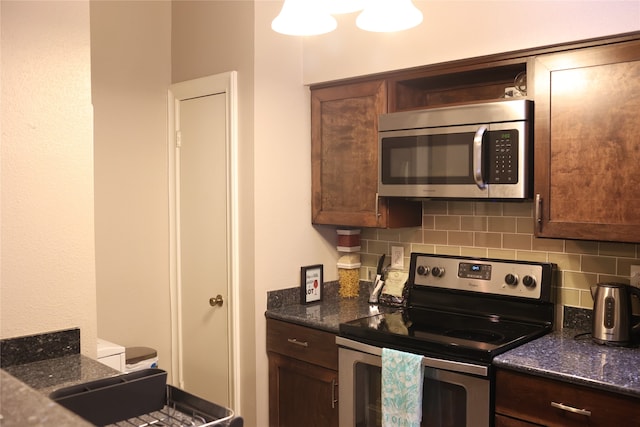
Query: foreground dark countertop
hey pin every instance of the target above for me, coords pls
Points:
(53, 374)
(557, 355)
(25, 389)
(23, 406)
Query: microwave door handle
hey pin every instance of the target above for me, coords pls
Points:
(477, 157)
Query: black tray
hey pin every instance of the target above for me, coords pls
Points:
(109, 400)
(141, 395)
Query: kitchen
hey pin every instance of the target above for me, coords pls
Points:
(155, 45)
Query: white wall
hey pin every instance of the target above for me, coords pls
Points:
(131, 67)
(457, 29)
(285, 240)
(48, 267)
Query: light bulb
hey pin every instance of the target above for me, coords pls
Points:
(303, 18)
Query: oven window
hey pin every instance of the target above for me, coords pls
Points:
(443, 404)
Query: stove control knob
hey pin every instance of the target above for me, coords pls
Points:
(529, 281)
(511, 279)
(422, 270)
(437, 271)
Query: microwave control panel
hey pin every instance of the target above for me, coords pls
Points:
(502, 162)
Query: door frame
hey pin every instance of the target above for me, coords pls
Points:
(224, 83)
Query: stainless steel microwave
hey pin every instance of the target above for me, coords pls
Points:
(475, 151)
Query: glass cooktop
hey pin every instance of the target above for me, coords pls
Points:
(435, 333)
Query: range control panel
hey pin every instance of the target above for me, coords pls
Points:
(490, 276)
(474, 270)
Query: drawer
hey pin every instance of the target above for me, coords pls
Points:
(552, 403)
(302, 343)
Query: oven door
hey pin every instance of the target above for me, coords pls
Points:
(450, 399)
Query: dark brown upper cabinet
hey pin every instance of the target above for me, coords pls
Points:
(344, 159)
(587, 143)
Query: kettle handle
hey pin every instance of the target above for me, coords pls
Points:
(636, 291)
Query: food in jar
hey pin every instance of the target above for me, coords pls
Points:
(349, 280)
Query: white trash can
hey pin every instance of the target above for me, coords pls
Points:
(111, 354)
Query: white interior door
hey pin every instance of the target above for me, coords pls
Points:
(203, 247)
(204, 212)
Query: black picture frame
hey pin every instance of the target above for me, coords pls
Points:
(311, 284)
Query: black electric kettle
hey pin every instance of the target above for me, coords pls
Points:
(612, 313)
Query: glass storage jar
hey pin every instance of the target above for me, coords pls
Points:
(349, 275)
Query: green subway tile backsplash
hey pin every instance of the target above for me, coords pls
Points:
(502, 224)
(504, 230)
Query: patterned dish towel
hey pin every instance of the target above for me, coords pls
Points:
(402, 378)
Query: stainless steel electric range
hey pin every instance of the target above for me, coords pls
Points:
(461, 313)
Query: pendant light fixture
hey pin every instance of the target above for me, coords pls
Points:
(385, 16)
(313, 17)
(304, 18)
(338, 7)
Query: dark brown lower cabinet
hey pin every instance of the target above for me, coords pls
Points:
(303, 376)
(504, 421)
(524, 400)
(301, 394)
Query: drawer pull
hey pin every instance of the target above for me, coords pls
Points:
(296, 342)
(571, 409)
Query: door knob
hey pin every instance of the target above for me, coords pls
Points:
(216, 301)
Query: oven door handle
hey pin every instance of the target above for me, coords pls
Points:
(427, 361)
(477, 157)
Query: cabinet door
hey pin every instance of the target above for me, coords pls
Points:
(344, 159)
(587, 151)
(301, 394)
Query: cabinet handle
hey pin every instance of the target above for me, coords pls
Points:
(571, 409)
(334, 399)
(539, 211)
(296, 342)
(377, 205)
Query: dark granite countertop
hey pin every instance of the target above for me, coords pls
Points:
(49, 375)
(25, 390)
(34, 366)
(557, 355)
(23, 406)
(325, 315)
(562, 356)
